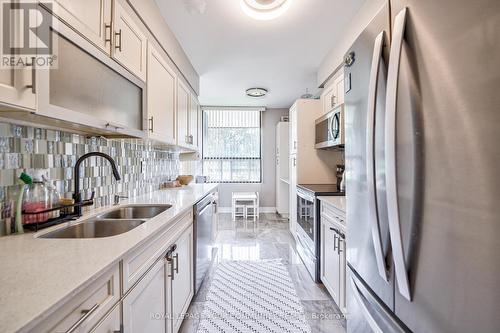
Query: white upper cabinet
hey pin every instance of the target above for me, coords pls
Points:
(187, 117)
(183, 101)
(92, 18)
(16, 85)
(194, 107)
(161, 91)
(16, 89)
(333, 94)
(129, 41)
(339, 88)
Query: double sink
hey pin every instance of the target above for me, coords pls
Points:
(111, 223)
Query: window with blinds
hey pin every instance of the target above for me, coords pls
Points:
(232, 146)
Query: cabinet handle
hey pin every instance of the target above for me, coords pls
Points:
(106, 28)
(294, 161)
(169, 259)
(335, 237)
(117, 128)
(86, 314)
(339, 248)
(33, 76)
(151, 124)
(119, 35)
(176, 259)
(295, 145)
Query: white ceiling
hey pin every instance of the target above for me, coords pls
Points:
(232, 52)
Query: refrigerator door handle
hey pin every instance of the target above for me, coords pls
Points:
(370, 156)
(364, 308)
(379, 317)
(390, 155)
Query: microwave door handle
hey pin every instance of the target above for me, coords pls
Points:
(370, 156)
(331, 126)
(390, 155)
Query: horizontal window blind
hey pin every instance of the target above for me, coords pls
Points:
(232, 146)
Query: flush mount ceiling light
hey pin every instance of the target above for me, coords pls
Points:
(256, 92)
(265, 9)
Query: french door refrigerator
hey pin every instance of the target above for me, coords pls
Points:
(423, 169)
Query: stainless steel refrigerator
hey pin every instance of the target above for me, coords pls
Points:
(423, 169)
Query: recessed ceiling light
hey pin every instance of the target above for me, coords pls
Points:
(265, 9)
(256, 92)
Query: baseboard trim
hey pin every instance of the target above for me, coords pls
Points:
(266, 210)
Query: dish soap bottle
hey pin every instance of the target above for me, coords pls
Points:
(24, 180)
(54, 197)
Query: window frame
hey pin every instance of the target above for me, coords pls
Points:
(203, 140)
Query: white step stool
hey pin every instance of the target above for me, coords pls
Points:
(245, 204)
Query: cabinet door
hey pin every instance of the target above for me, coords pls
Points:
(293, 130)
(293, 193)
(328, 100)
(193, 121)
(330, 260)
(182, 277)
(183, 101)
(144, 307)
(339, 90)
(15, 84)
(129, 41)
(91, 18)
(111, 324)
(161, 98)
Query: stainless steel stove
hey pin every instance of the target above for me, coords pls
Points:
(308, 213)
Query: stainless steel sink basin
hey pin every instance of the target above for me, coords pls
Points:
(95, 228)
(135, 212)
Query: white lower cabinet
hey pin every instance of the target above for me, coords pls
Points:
(144, 308)
(333, 258)
(111, 323)
(154, 294)
(181, 278)
(85, 309)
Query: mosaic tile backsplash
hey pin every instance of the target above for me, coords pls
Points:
(22, 148)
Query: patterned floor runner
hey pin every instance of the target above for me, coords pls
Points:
(252, 297)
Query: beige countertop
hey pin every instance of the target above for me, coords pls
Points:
(337, 201)
(38, 274)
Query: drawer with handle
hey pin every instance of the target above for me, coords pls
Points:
(85, 309)
(333, 214)
(138, 261)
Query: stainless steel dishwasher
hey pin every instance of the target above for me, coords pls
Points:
(204, 212)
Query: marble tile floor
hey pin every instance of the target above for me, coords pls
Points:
(272, 240)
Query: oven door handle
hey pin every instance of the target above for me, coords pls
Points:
(305, 247)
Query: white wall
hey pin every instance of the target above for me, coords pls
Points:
(336, 55)
(266, 189)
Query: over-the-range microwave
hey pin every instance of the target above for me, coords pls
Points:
(330, 132)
